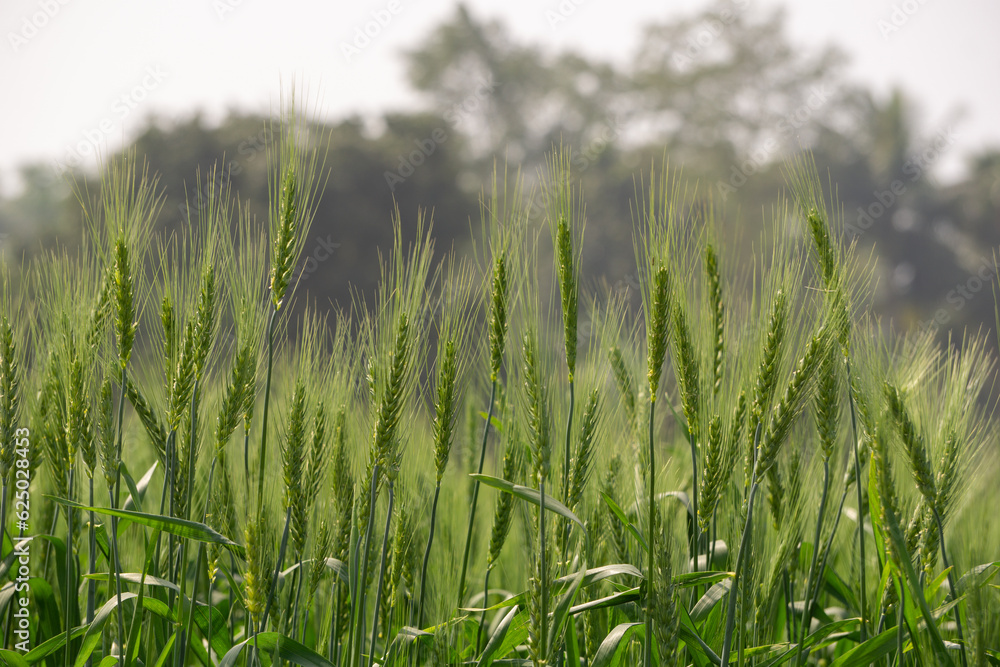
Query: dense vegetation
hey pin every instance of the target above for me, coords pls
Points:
(473, 469)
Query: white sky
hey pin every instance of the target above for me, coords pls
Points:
(65, 65)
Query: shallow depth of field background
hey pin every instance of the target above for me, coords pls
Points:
(894, 99)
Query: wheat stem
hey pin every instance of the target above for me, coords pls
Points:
(650, 557)
(475, 495)
(696, 537)
(114, 520)
(814, 574)
(262, 463)
(542, 572)
(333, 651)
(740, 557)
(952, 587)
(359, 605)
(567, 460)
(861, 524)
(427, 557)
(92, 556)
(68, 599)
(381, 575)
(277, 568)
(482, 617)
(181, 653)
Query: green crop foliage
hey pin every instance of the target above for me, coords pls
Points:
(620, 445)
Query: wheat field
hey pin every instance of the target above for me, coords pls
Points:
(497, 460)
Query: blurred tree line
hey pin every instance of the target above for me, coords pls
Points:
(723, 94)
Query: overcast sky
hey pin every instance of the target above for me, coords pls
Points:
(75, 73)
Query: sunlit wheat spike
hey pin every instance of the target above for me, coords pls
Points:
(767, 373)
(736, 426)
(99, 315)
(124, 299)
(564, 216)
(790, 405)
(498, 315)
(50, 413)
(688, 374)
(293, 467)
(183, 378)
(947, 474)
(503, 514)
(391, 403)
(657, 322)
(804, 182)
(911, 535)
(823, 245)
(883, 472)
(156, 431)
(567, 290)
(665, 617)
(10, 389)
(322, 549)
(775, 494)
(913, 443)
(536, 392)
(212, 555)
(715, 473)
(296, 166)
(827, 400)
(718, 316)
(187, 448)
(583, 457)
(205, 319)
(283, 255)
(234, 396)
(168, 321)
(363, 493)
(317, 455)
(343, 487)
(624, 382)
(794, 471)
(927, 544)
(79, 431)
(106, 434)
(259, 540)
(402, 541)
(445, 408)
(248, 377)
